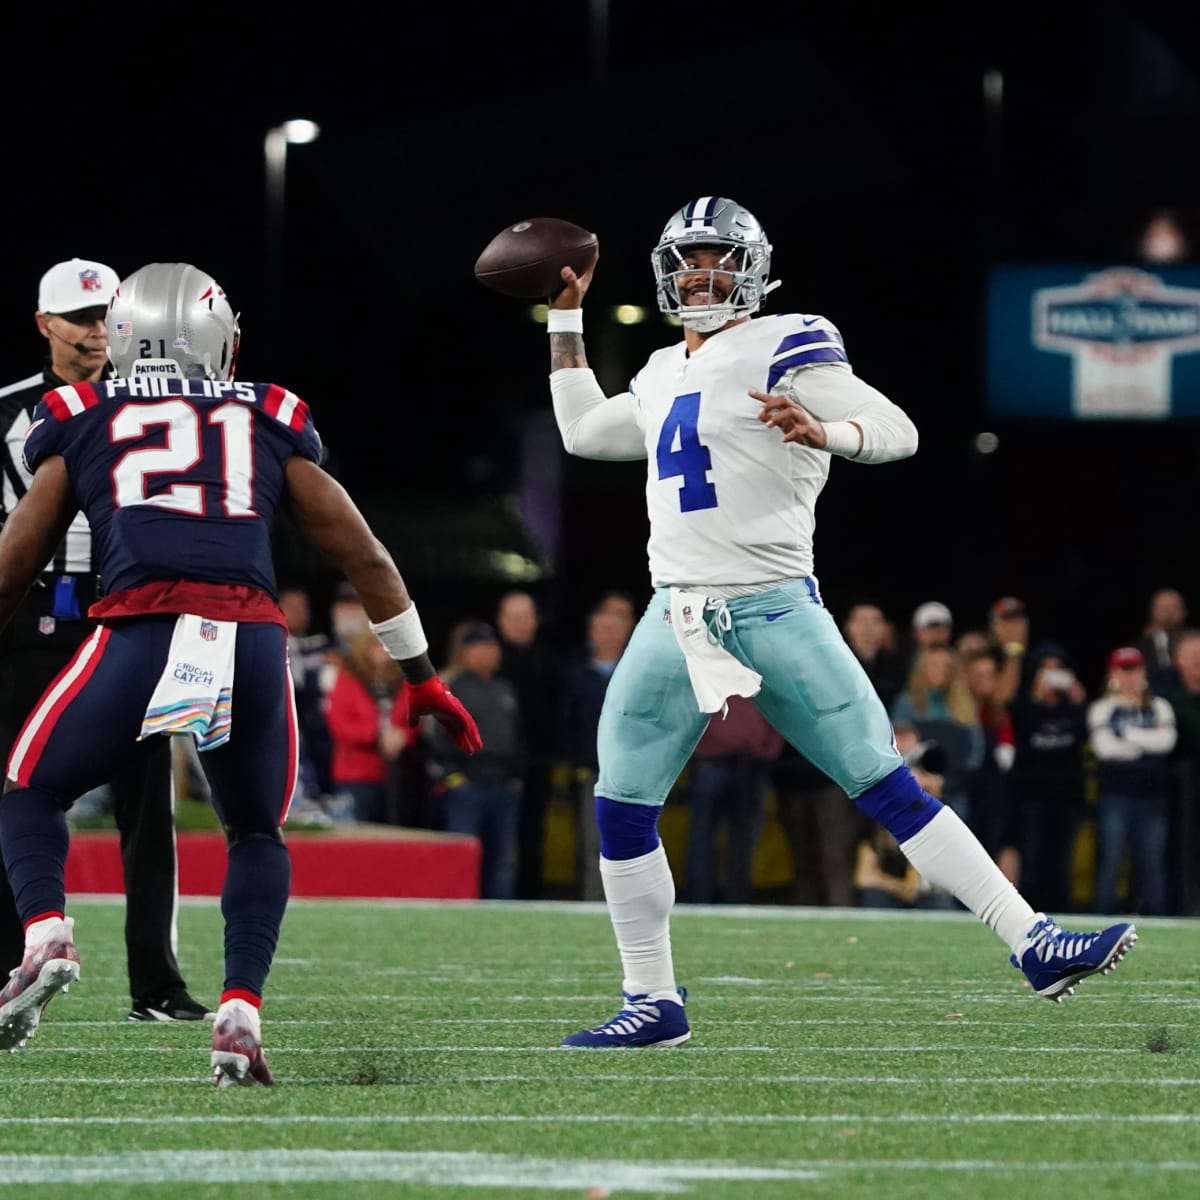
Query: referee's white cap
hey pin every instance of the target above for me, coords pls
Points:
(75, 284)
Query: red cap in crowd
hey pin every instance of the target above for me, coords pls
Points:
(1125, 658)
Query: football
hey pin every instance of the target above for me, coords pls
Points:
(525, 259)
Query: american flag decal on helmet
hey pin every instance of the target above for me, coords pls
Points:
(124, 328)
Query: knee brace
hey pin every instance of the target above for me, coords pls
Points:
(626, 830)
(899, 804)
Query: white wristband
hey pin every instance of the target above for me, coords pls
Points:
(564, 320)
(844, 438)
(402, 635)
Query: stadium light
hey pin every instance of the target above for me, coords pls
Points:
(297, 132)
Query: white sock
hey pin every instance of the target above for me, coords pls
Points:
(949, 855)
(640, 894)
(48, 927)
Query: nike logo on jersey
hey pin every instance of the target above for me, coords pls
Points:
(810, 320)
(776, 616)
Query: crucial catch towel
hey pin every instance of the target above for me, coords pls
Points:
(715, 673)
(195, 692)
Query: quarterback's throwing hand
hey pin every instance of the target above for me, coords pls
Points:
(434, 699)
(796, 422)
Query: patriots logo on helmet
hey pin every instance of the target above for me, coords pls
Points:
(89, 280)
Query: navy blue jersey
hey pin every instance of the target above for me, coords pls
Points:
(179, 479)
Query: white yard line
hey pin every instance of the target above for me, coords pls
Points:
(482, 1170)
(557, 1079)
(1030, 1118)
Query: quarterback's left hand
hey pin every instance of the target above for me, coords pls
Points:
(433, 698)
(795, 421)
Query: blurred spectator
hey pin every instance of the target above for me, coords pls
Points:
(822, 825)
(588, 672)
(347, 617)
(1166, 617)
(883, 877)
(992, 817)
(1049, 718)
(535, 668)
(868, 634)
(620, 602)
(307, 654)
(1185, 834)
(932, 625)
(482, 791)
(971, 643)
(1008, 634)
(727, 789)
(1133, 733)
(367, 728)
(937, 701)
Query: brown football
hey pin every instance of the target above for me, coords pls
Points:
(525, 259)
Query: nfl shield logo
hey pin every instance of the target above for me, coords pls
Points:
(687, 614)
(89, 280)
(208, 631)
(46, 625)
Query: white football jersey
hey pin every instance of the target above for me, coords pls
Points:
(730, 503)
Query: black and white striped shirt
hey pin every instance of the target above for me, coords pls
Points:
(17, 402)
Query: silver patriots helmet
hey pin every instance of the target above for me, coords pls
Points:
(172, 313)
(713, 221)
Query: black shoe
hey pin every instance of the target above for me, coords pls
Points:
(176, 1006)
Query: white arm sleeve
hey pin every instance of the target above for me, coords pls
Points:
(593, 425)
(834, 394)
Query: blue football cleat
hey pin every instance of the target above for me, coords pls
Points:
(642, 1022)
(1055, 960)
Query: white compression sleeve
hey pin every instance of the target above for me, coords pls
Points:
(593, 425)
(640, 894)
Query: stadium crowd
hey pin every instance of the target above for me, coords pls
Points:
(1088, 801)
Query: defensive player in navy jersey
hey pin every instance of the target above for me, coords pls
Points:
(738, 423)
(180, 472)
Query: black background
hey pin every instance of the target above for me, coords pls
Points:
(859, 136)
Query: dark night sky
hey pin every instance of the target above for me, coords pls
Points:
(857, 136)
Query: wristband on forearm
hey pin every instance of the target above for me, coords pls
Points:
(402, 635)
(564, 320)
(844, 438)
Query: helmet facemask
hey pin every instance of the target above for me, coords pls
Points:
(736, 284)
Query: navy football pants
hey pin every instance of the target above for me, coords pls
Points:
(85, 729)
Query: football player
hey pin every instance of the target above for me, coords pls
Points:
(738, 423)
(180, 470)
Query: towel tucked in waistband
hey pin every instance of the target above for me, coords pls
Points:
(715, 673)
(195, 692)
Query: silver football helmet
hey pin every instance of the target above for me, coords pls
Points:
(172, 313)
(713, 221)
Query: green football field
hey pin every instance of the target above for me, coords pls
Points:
(415, 1047)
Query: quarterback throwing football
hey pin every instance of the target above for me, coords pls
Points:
(738, 424)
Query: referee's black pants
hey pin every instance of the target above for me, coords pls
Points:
(143, 808)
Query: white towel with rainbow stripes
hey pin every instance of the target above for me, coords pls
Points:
(195, 692)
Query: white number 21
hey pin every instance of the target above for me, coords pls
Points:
(181, 453)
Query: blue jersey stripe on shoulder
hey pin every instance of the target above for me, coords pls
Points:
(808, 338)
(804, 358)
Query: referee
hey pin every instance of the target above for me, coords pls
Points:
(42, 639)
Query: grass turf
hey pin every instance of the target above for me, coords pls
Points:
(834, 1054)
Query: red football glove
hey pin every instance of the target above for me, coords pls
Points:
(433, 698)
